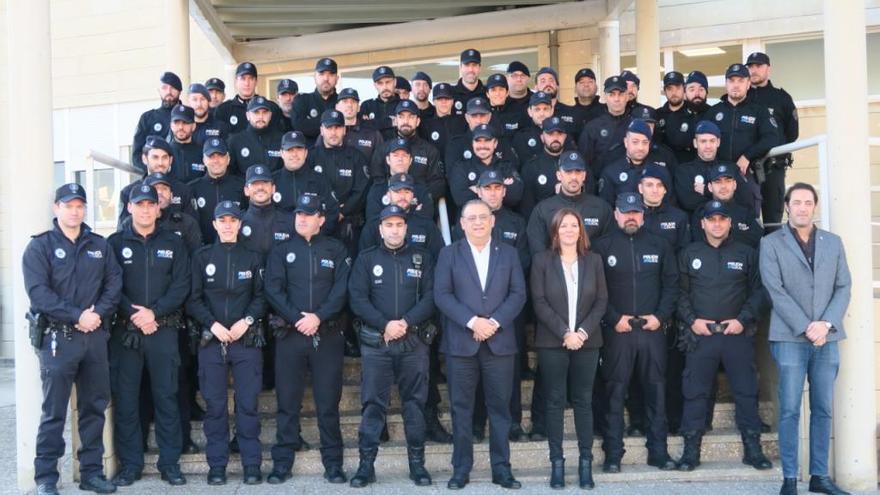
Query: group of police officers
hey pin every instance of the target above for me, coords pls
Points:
(273, 238)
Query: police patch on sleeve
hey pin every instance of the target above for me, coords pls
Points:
(377, 270)
(468, 154)
(623, 176)
(472, 176)
(319, 169)
(291, 257)
(719, 116)
(245, 152)
(458, 105)
(612, 260)
(157, 127)
(603, 133)
(233, 120)
(210, 269)
(532, 142)
(246, 231)
(542, 179)
(60, 254)
(696, 264)
(684, 127)
(201, 202)
(126, 253)
(276, 197)
(435, 136)
(313, 112)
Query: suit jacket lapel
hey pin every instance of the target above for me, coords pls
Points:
(792, 243)
(493, 261)
(469, 261)
(556, 261)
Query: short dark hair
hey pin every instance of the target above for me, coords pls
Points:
(801, 186)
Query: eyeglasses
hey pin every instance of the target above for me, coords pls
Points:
(473, 218)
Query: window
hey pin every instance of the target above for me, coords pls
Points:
(710, 60)
(799, 67)
(59, 174)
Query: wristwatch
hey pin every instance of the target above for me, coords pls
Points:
(249, 320)
(831, 328)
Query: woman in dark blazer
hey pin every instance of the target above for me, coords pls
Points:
(569, 297)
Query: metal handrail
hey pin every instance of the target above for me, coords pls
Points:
(113, 162)
(821, 142)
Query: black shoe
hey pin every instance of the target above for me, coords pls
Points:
(479, 433)
(505, 479)
(233, 445)
(351, 349)
(458, 481)
(663, 463)
(252, 475)
(47, 489)
(611, 467)
(434, 430)
(173, 476)
(217, 476)
(97, 484)
(303, 445)
(537, 436)
(823, 484)
(789, 486)
(189, 447)
(557, 474)
(384, 437)
(585, 473)
(126, 476)
(516, 433)
(278, 476)
(635, 431)
(335, 475)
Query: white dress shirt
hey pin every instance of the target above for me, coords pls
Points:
(481, 259)
(571, 288)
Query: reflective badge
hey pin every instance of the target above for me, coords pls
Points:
(413, 273)
(372, 115)
(699, 179)
(319, 169)
(291, 257)
(603, 133)
(472, 176)
(650, 258)
(233, 120)
(165, 253)
(276, 197)
(126, 253)
(60, 254)
(435, 136)
(246, 275)
(623, 176)
(458, 105)
(201, 202)
(327, 264)
(210, 270)
(385, 200)
(661, 123)
(684, 127)
(719, 116)
(95, 254)
(735, 265)
(377, 270)
(467, 154)
(313, 112)
(532, 142)
(245, 152)
(696, 264)
(157, 127)
(246, 231)
(612, 260)
(542, 179)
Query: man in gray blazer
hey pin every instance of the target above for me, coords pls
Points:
(805, 272)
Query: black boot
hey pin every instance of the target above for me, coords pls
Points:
(690, 457)
(366, 473)
(557, 474)
(585, 472)
(753, 454)
(417, 471)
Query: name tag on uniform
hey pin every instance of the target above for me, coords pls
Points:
(198, 167)
(274, 153)
(95, 254)
(327, 264)
(165, 253)
(511, 127)
(509, 235)
(742, 226)
(212, 132)
(418, 238)
(345, 172)
(413, 273)
(747, 119)
(591, 222)
(734, 265)
(246, 275)
(650, 258)
(667, 226)
(421, 160)
(281, 236)
(366, 143)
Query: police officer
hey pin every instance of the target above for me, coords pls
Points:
(207, 127)
(527, 140)
(217, 185)
(676, 120)
(421, 90)
(722, 185)
(632, 89)
(781, 107)
(156, 121)
(547, 82)
(158, 157)
(586, 102)
(427, 163)
(217, 89)
(357, 135)
(391, 291)
(507, 117)
(444, 125)
(601, 133)
(469, 84)
(233, 111)
(262, 224)
(306, 279)
(182, 224)
(696, 91)
(460, 146)
(463, 174)
(155, 284)
(748, 131)
(661, 217)
(721, 298)
(398, 160)
(74, 284)
(377, 112)
(539, 172)
(297, 178)
(402, 88)
(422, 232)
(623, 175)
(571, 174)
(287, 90)
(519, 93)
(308, 107)
(187, 165)
(641, 274)
(259, 142)
(227, 301)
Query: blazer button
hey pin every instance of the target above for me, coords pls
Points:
(484, 298)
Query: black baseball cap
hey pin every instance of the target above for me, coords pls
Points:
(227, 208)
(585, 72)
(381, 72)
(539, 97)
(572, 160)
(645, 113)
(482, 131)
(496, 80)
(331, 118)
(214, 145)
(442, 90)
(517, 66)
(758, 58)
(673, 78)
(630, 76)
(698, 77)
(348, 93)
(172, 80)
(154, 141)
(639, 126)
(309, 204)
(258, 102)
(246, 68)
(628, 202)
(199, 88)
(737, 70)
(69, 192)
(715, 208)
(553, 124)
(721, 170)
(407, 106)
(402, 83)
(423, 76)
(288, 86)
(143, 192)
(326, 65)
(215, 83)
(392, 211)
(658, 172)
(490, 177)
(397, 144)
(470, 55)
(401, 181)
(548, 70)
(615, 83)
(293, 139)
(184, 113)
(477, 104)
(157, 178)
(707, 127)
(257, 173)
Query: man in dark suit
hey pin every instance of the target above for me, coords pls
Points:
(480, 289)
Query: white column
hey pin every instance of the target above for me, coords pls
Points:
(177, 46)
(648, 51)
(30, 189)
(609, 50)
(855, 421)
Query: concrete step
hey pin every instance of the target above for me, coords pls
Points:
(724, 418)
(718, 446)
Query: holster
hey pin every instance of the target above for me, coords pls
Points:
(37, 326)
(279, 327)
(687, 340)
(427, 332)
(255, 335)
(369, 336)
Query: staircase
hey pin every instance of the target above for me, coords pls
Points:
(721, 452)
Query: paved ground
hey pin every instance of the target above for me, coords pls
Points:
(534, 483)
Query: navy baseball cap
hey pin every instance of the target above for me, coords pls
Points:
(422, 76)
(721, 170)
(331, 118)
(442, 90)
(496, 80)
(215, 83)
(326, 65)
(392, 211)
(143, 192)
(157, 178)
(288, 86)
(470, 55)
(199, 88)
(673, 78)
(628, 202)
(227, 208)
(539, 97)
(758, 58)
(154, 141)
(630, 76)
(258, 102)
(407, 106)
(547, 70)
(172, 80)
(476, 105)
(553, 124)
(737, 70)
(402, 83)
(615, 83)
(381, 72)
(401, 181)
(482, 131)
(69, 192)
(490, 177)
(645, 113)
(257, 173)
(572, 160)
(657, 172)
(246, 68)
(639, 126)
(715, 208)
(397, 144)
(348, 93)
(585, 72)
(214, 145)
(698, 77)
(707, 127)
(517, 66)
(184, 113)
(293, 139)
(309, 204)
